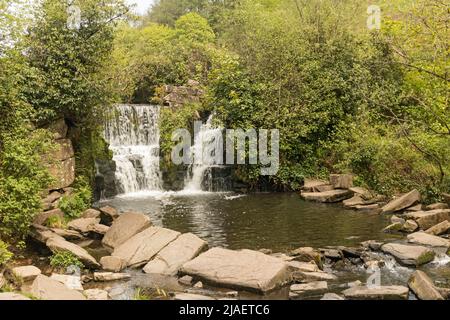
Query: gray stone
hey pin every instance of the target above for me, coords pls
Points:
(402, 202)
(409, 255)
(110, 212)
(427, 219)
(377, 293)
(61, 245)
(327, 196)
(70, 281)
(352, 202)
(423, 286)
(244, 269)
(96, 294)
(26, 273)
(440, 228)
(341, 181)
(48, 202)
(428, 240)
(170, 259)
(307, 254)
(417, 207)
(142, 247)
(98, 228)
(113, 264)
(110, 276)
(48, 289)
(125, 227)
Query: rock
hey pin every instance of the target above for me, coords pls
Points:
(423, 286)
(126, 226)
(2, 280)
(372, 245)
(409, 255)
(170, 259)
(26, 273)
(341, 181)
(63, 173)
(42, 218)
(85, 243)
(303, 266)
(98, 228)
(313, 185)
(352, 202)
(368, 207)
(440, 228)
(110, 276)
(445, 292)
(417, 207)
(327, 187)
(332, 254)
(437, 206)
(327, 196)
(394, 227)
(113, 264)
(377, 293)
(48, 289)
(42, 234)
(351, 252)
(402, 202)
(362, 192)
(91, 213)
(410, 226)
(142, 247)
(244, 269)
(68, 234)
(58, 245)
(83, 225)
(109, 213)
(312, 276)
(198, 285)
(48, 202)
(63, 150)
(396, 219)
(58, 128)
(96, 294)
(191, 297)
(446, 198)
(428, 240)
(307, 254)
(70, 281)
(12, 296)
(332, 296)
(308, 287)
(427, 219)
(186, 280)
(356, 283)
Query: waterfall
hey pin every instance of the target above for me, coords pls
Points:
(199, 172)
(133, 135)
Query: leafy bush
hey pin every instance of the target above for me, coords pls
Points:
(5, 254)
(77, 202)
(65, 259)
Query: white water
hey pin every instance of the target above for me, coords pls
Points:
(133, 134)
(199, 171)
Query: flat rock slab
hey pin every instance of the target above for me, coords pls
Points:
(423, 286)
(303, 266)
(409, 255)
(244, 269)
(170, 259)
(427, 219)
(141, 248)
(12, 296)
(402, 202)
(113, 264)
(332, 296)
(377, 293)
(440, 228)
(308, 287)
(26, 273)
(68, 234)
(96, 294)
(70, 281)
(331, 196)
(48, 289)
(91, 213)
(313, 185)
(61, 245)
(428, 240)
(302, 276)
(191, 297)
(83, 225)
(110, 276)
(125, 227)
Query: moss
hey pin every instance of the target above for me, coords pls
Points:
(425, 258)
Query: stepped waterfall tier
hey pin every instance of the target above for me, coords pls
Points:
(133, 134)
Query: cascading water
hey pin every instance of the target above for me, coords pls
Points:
(199, 173)
(133, 135)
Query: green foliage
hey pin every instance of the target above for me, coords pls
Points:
(5, 254)
(63, 260)
(78, 201)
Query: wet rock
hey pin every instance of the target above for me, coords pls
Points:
(113, 264)
(332, 296)
(397, 226)
(26, 273)
(427, 219)
(110, 276)
(83, 225)
(410, 226)
(409, 255)
(59, 245)
(68, 234)
(125, 227)
(377, 293)
(352, 202)
(301, 276)
(437, 206)
(328, 196)
(96, 294)
(341, 181)
(332, 254)
(402, 202)
(12, 296)
(351, 252)
(428, 240)
(91, 213)
(439, 229)
(307, 254)
(423, 286)
(308, 287)
(313, 185)
(244, 269)
(186, 280)
(368, 207)
(372, 245)
(48, 289)
(70, 281)
(191, 297)
(42, 218)
(303, 266)
(170, 259)
(142, 247)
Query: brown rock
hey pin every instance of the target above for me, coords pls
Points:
(440, 228)
(377, 293)
(437, 206)
(113, 264)
(427, 219)
(341, 181)
(26, 273)
(428, 240)
(328, 196)
(43, 217)
(410, 226)
(409, 255)
(423, 286)
(63, 173)
(58, 128)
(12, 296)
(312, 185)
(91, 213)
(58, 245)
(126, 226)
(48, 289)
(403, 202)
(68, 234)
(83, 225)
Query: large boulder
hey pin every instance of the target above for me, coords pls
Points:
(26, 273)
(402, 202)
(244, 269)
(423, 286)
(91, 213)
(83, 225)
(142, 247)
(409, 255)
(377, 293)
(313, 185)
(427, 219)
(428, 240)
(170, 259)
(63, 173)
(126, 226)
(440, 228)
(113, 264)
(61, 245)
(331, 196)
(341, 181)
(48, 289)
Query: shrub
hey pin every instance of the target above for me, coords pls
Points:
(73, 205)
(65, 259)
(5, 254)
